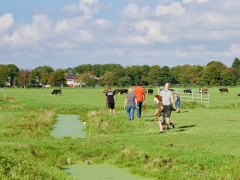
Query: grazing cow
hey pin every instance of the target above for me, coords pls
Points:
(238, 94)
(150, 91)
(204, 90)
(116, 91)
(56, 91)
(105, 90)
(122, 91)
(222, 90)
(187, 91)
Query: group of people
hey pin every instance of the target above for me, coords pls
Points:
(136, 98)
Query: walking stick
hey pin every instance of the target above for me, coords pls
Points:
(145, 109)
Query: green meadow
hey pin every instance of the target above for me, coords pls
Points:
(203, 145)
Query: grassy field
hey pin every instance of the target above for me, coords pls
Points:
(204, 144)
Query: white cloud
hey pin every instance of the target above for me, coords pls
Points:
(219, 20)
(170, 32)
(86, 8)
(133, 11)
(146, 32)
(89, 7)
(6, 22)
(72, 9)
(102, 21)
(61, 26)
(26, 35)
(85, 36)
(174, 9)
(235, 48)
(187, 1)
(202, 1)
(199, 1)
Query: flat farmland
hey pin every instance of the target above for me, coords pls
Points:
(203, 145)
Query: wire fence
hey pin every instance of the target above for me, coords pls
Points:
(189, 95)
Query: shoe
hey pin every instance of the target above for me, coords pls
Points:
(160, 133)
(139, 116)
(172, 124)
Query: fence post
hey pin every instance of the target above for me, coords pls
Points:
(201, 96)
(5, 96)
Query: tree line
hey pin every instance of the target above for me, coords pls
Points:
(215, 73)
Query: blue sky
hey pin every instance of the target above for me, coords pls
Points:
(68, 33)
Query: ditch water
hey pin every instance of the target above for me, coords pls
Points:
(70, 126)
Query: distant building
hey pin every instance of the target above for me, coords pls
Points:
(72, 80)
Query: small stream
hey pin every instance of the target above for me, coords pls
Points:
(71, 126)
(82, 171)
(68, 126)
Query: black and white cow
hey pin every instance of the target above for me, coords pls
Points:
(187, 91)
(222, 90)
(56, 91)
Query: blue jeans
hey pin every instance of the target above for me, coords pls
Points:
(130, 112)
(177, 104)
(139, 110)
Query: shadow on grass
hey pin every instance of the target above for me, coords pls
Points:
(182, 112)
(183, 128)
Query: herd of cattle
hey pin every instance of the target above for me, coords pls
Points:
(150, 91)
(122, 91)
(205, 90)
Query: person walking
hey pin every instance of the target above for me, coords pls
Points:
(177, 102)
(167, 99)
(159, 114)
(110, 100)
(140, 93)
(130, 103)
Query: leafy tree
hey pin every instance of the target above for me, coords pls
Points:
(70, 71)
(43, 73)
(236, 63)
(153, 74)
(96, 68)
(23, 77)
(13, 71)
(145, 69)
(110, 68)
(164, 75)
(137, 74)
(57, 78)
(3, 74)
(91, 82)
(44, 70)
(228, 78)
(192, 74)
(116, 75)
(83, 69)
(45, 78)
(177, 73)
(124, 81)
(107, 79)
(212, 73)
(33, 78)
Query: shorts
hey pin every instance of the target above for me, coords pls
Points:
(167, 110)
(161, 119)
(111, 105)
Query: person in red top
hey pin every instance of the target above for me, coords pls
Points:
(140, 93)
